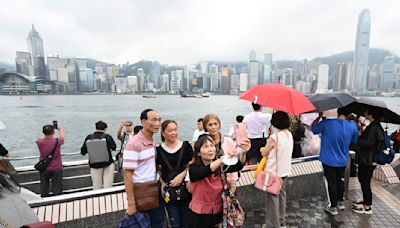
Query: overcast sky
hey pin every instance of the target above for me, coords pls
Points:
(186, 31)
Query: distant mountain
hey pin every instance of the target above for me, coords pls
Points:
(7, 66)
(376, 56)
(91, 63)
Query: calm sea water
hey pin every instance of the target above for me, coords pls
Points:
(24, 116)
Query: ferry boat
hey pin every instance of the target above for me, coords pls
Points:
(185, 94)
(148, 96)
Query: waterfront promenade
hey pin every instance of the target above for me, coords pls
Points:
(308, 212)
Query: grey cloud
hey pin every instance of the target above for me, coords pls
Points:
(179, 32)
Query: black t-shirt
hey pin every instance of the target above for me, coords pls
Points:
(172, 158)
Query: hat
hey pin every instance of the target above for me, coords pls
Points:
(128, 122)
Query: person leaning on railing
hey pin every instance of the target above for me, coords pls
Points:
(54, 170)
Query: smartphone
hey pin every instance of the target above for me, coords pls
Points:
(55, 124)
(240, 133)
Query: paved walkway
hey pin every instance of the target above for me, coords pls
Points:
(309, 212)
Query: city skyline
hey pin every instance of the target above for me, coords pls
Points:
(181, 33)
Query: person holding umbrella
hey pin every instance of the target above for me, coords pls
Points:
(336, 136)
(370, 142)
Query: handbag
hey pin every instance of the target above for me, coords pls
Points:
(42, 164)
(138, 219)
(268, 181)
(233, 213)
(147, 194)
(179, 194)
(7, 167)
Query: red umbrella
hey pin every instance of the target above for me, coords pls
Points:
(279, 97)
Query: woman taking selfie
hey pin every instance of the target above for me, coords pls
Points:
(205, 209)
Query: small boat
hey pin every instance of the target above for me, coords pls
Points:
(206, 94)
(184, 94)
(149, 96)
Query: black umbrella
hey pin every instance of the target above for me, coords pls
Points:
(386, 115)
(326, 101)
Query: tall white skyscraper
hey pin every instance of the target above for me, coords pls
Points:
(243, 82)
(252, 56)
(267, 68)
(323, 72)
(255, 73)
(214, 74)
(361, 53)
(35, 47)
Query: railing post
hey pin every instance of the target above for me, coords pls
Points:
(347, 174)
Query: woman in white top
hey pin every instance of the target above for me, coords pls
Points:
(279, 143)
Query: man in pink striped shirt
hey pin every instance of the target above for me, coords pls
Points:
(139, 163)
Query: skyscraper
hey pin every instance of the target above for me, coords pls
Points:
(255, 73)
(361, 53)
(23, 63)
(155, 74)
(267, 68)
(35, 47)
(252, 56)
(323, 74)
(388, 73)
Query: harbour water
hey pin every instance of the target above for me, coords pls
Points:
(24, 116)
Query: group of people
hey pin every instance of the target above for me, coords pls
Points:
(337, 136)
(200, 168)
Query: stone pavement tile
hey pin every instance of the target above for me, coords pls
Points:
(308, 212)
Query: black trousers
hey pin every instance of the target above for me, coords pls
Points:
(335, 178)
(364, 177)
(203, 220)
(56, 182)
(254, 154)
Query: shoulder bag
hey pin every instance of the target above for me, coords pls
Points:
(147, 194)
(233, 213)
(42, 164)
(178, 194)
(269, 181)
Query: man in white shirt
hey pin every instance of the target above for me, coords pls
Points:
(257, 124)
(199, 131)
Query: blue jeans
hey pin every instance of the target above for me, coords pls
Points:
(178, 215)
(157, 215)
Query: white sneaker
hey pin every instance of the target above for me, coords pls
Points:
(363, 210)
(331, 210)
(341, 205)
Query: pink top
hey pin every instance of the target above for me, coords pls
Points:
(206, 195)
(45, 146)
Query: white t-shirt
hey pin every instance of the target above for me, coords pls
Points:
(257, 124)
(285, 149)
(196, 134)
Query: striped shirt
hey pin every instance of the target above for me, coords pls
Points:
(140, 156)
